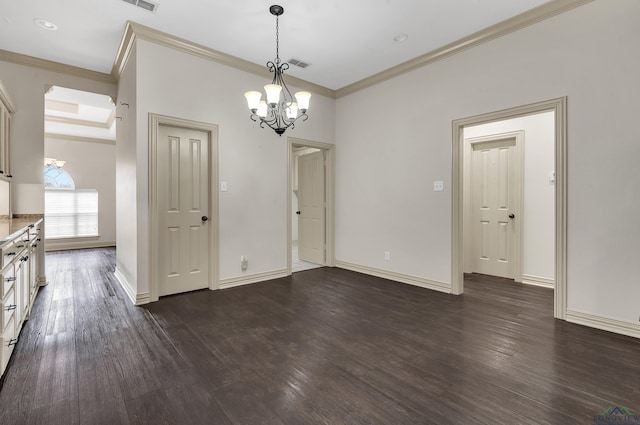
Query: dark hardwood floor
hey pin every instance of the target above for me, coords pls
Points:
(325, 346)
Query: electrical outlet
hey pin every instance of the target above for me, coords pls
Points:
(387, 255)
(244, 263)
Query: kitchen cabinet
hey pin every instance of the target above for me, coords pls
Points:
(20, 253)
(7, 109)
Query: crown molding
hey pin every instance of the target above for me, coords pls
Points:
(58, 67)
(135, 31)
(6, 99)
(78, 138)
(540, 13)
(75, 121)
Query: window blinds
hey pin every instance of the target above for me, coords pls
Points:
(70, 213)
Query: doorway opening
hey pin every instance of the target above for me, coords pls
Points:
(533, 238)
(309, 205)
(79, 169)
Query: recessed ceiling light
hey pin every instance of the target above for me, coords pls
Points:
(43, 23)
(400, 37)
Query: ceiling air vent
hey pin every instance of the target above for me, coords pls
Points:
(298, 63)
(145, 4)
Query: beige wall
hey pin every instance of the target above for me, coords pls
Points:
(26, 86)
(252, 160)
(385, 172)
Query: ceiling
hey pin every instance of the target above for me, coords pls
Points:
(79, 114)
(345, 41)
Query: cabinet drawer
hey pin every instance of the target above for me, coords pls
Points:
(9, 252)
(7, 342)
(7, 279)
(8, 309)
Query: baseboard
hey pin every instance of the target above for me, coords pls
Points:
(63, 246)
(252, 278)
(398, 277)
(604, 323)
(545, 282)
(42, 281)
(136, 299)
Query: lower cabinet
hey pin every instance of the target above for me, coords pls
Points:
(18, 286)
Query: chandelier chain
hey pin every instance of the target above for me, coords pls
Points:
(277, 40)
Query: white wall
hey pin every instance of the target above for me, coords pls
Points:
(126, 179)
(252, 213)
(92, 166)
(538, 233)
(384, 195)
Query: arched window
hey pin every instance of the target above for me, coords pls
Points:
(57, 178)
(68, 212)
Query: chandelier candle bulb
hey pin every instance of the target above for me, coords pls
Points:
(292, 110)
(262, 109)
(279, 111)
(303, 100)
(253, 100)
(273, 94)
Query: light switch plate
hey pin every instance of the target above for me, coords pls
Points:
(438, 186)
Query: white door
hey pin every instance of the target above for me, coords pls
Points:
(183, 209)
(311, 214)
(493, 201)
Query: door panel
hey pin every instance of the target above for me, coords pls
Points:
(493, 199)
(183, 199)
(311, 199)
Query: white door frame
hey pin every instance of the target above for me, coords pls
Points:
(155, 121)
(559, 107)
(518, 206)
(329, 149)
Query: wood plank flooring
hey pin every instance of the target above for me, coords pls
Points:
(325, 346)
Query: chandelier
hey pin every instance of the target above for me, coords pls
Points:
(52, 162)
(278, 112)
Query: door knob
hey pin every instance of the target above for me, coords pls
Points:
(205, 218)
(512, 215)
(298, 212)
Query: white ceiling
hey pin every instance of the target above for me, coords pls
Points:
(80, 114)
(343, 40)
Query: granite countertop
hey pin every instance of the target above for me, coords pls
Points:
(8, 227)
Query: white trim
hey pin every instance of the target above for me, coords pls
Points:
(329, 238)
(518, 22)
(6, 99)
(559, 107)
(70, 138)
(397, 277)
(33, 62)
(63, 246)
(603, 322)
(544, 282)
(252, 278)
(136, 299)
(135, 31)
(155, 121)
